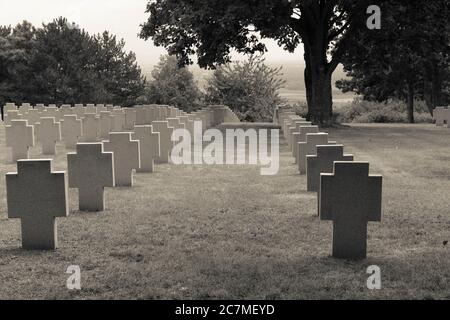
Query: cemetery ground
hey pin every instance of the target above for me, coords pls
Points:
(207, 232)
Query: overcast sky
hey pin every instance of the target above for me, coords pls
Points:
(120, 17)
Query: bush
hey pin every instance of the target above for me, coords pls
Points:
(249, 88)
(361, 111)
(172, 85)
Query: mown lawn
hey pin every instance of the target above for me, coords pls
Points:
(209, 232)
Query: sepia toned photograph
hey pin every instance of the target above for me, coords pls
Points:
(200, 152)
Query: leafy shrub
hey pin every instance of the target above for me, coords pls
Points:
(372, 112)
(172, 85)
(249, 88)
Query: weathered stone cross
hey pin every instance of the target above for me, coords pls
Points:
(90, 127)
(126, 157)
(165, 137)
(300, 136)
(91, 170)
(49, 133)
(71, 130)
(350, 198)
(310, 148)
(149, 147)
(36, 195)
(323, 163)
(20, 137)
(105, 124)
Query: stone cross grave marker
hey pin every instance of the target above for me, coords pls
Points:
(19, 137)
(33, 116)
(90, 127)
(323, 162)
(105, 124)
(188, 124)
(309, 148)
(175, 123)
(140, 116)
(11, 115)
(118, 120)
(126, 157)
(100, 108)
(288, 123)
(300, 136)
(161, 113)
(49, 133)
(37, 195)
(24, 108)
(40, 107)
(438, 116)
(72, 130)
(130, 119)
(90, 170)
(9, 107)
(149, 145)
(90, 108)
(51, 112)
(294, 128)
(79, 110)
(66, 110)
(350, 197)
(165, 137)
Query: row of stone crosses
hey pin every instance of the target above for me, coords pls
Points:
(132, 139)
(140, 136)
(347, 194)
(441, 116)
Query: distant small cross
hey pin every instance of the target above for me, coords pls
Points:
(310, 148)
(126, 157)
(12, 115)
(300, 136)
(175, 123)
(350, 198)
(105, 124)
(49, 133)
(37, 195)
(20, 137)
(52, 112)
(118, 120)
(149, 147)
(90, 127)
(165, 137)
(323, 162)
(130, 119)
(72, 130)
(91, 170)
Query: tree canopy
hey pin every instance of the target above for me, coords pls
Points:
(59, 63)
(174, 86)
(407, 58)
(211, 29)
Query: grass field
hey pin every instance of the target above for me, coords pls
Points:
(207, 232)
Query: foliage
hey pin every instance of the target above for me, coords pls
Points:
(393, 111)
(173, 85)
(249, 88)
(408, 58)
(211, 29)
(58, 63)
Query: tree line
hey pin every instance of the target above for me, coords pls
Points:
(61, 63)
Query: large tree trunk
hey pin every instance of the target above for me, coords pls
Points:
(433, 87)
(410, 99)
(428, 96)
(318, 87)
